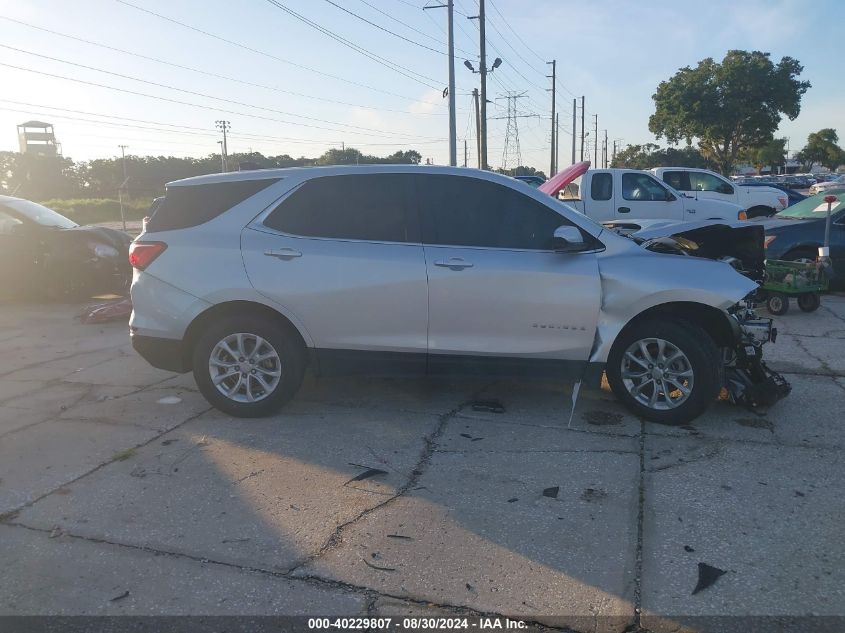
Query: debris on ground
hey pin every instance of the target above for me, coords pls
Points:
(513, 499)
(369, 564)
(687, 548)
(470, 437)
(169, 400)
(488, 406)
(707, 576)
(593, 494)
(56, 532)
(107, 311)
(370, 472)
(400, 536)
(602, 418)
(125, 594)
(551, 492)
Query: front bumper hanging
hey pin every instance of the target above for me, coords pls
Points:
(749, 381)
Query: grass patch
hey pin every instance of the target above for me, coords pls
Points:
(93, 210)
(122, 456)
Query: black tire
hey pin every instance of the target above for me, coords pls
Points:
(809, 302)
(759, 212)
(777, 303)
(700, 351)
(287, 346)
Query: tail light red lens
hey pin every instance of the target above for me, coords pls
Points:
(142, 254)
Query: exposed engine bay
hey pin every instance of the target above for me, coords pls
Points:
(739, 244)
(748, 380)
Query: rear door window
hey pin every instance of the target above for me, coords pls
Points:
(601, 187)
(368, 207)
(191, 205)
(460, 211)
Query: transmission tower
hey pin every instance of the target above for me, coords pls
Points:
(511, 155)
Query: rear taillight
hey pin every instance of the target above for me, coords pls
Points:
(142, 254)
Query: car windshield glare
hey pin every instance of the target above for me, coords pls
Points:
(41, 214)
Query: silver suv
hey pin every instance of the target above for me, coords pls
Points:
(250, 278)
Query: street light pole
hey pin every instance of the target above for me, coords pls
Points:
(224, 126)
(453, 134)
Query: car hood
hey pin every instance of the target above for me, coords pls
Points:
(553, 185)
(737, 243)
(100, 234)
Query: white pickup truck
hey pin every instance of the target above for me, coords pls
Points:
(618, 194)
(705, 184)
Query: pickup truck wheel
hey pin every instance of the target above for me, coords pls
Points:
(665, 371)
(759, 212)
(248, 366)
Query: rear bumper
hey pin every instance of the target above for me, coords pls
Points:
(162, 353)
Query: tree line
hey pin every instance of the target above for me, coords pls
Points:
(727, 113)
(45, 177)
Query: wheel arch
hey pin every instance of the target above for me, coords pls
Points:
(714, 321)
(233, 308)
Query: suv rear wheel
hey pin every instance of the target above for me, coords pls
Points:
(248, 366)
(665, 371)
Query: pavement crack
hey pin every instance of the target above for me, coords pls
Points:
(429, 448)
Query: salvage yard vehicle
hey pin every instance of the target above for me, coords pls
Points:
(45, 254)
(705, 184)
(836, 182)
(796, 234)
(248, 278)
(608, 194)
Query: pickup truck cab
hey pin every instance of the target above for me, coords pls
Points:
(618, 194)
(707, 185)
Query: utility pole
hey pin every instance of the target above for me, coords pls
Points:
(123, 185)
(222, 158)
(466, 153)
(596, 143)
(450, 10)
(605, 150)
(553, 77)
(582, 128)
(483, 60)
(123, 149)
(224, 126)
(574, 131)
(477, 127)
(557, 140)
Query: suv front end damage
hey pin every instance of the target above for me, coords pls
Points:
(748, 380)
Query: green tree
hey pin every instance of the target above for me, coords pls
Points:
(522, 170)
(822, 148)
(728, 106)
(652, 155)
(771, 154)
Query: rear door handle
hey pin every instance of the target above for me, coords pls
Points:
(283, 253)
(624, 209)
(454, 263)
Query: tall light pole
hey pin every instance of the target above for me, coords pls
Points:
(574, 130)
(453, 135)
(123, 149)
(224, 126)
(482, 118)
(553, 77)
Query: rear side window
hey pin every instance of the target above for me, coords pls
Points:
(186, 206)
(460, 211)
(602, 187)
(369, 207)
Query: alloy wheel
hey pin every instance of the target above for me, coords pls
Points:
(245, 367)
(657, 374)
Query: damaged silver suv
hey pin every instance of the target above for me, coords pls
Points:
(248, 279)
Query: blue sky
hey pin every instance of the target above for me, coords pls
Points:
(303, 92)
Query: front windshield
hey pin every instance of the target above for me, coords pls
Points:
(40, 214)
(814, 207)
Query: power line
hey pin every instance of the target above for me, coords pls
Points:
(420, 78)
(274, 57)
(188, 103)
(192, 92)
(211, 74)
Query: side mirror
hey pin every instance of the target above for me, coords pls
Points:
(567, 239)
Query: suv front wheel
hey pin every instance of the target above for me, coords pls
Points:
(665, 371)
(248, 366)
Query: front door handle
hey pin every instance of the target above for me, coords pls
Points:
(283, 253)
(624, 209)
(454, 263)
